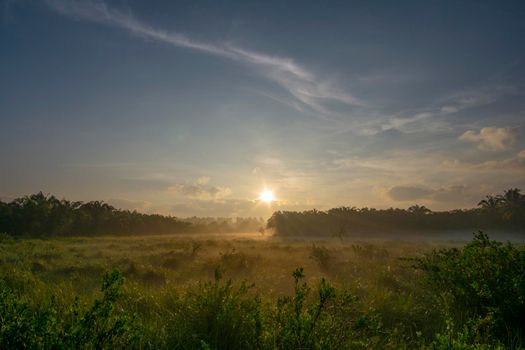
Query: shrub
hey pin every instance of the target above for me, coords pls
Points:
(322, 256)
(297, 324)
(56, 327)
(102, 326)
(234, 261)
(483, 282)
(466, 338)
(217, 315)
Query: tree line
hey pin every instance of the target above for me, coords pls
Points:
(40, 215)
(505, 211)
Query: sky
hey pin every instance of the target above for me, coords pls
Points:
(194, 107)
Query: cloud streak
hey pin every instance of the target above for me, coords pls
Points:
(415, 120)
(408, 193)
(300, 83)
(304, 90)
(201, 190)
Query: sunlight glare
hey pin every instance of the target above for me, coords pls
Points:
(266, 196)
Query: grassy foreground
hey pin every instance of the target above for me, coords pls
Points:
(247, 292)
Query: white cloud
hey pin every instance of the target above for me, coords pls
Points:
(491, 138)
(203, 180)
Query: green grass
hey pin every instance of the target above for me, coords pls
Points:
(246, 292)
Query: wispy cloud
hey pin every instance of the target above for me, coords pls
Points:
(303, 90)
(408, 193)
(414, 119)
(300, 83)
(201, 190)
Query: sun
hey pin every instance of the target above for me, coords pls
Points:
(266, 196)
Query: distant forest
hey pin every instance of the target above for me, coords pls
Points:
(495, 213)
(41, 215)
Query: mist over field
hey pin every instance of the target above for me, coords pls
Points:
(343, 278)
(262, 174)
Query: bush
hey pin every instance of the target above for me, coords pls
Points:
(298, 325)
(482, 283)
(100, 326)
(237, 262)
(216, 316)
(322, 256)
(467, 338)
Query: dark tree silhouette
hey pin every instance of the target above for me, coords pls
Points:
(506, 211)
(419, 210)
(490, 203)
(45, 216)
(513, 203)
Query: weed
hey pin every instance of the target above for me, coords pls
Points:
(321, 255)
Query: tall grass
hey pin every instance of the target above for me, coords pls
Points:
(182, 293)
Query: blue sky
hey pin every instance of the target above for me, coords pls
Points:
(194, 107)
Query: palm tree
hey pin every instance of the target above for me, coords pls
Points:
(513, 197)
(419, 209)
(514, 205)
(490, 203)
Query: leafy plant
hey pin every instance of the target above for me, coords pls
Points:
(216, 315)
(297, 323)
(100, 326)
(322, 256)
(484, 280)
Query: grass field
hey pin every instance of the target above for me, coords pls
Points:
(159, 263)
(176, 293)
